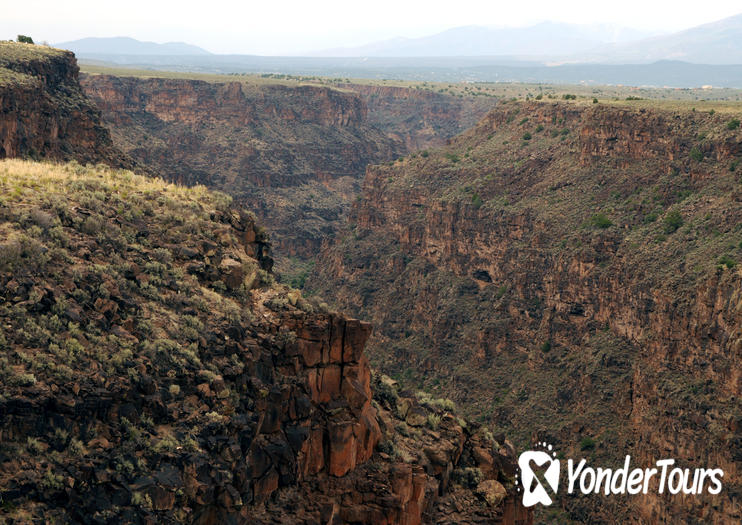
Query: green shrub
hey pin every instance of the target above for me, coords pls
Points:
(546, 347)
(696, 154)
(733, 124)
(453, 157)
(433, 421)
(51, 481)
(34, 446)
(403, 429)
(527, 136)
(600, 220)
(728, 261)
(468, 477)
(476, 201)
(587, 443)
(388, 447)
(672, 221)
(23, 39)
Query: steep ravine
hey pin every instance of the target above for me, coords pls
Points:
(569, 272)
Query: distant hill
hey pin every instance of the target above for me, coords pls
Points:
(128, 46)
(715, 43)
(544, 39)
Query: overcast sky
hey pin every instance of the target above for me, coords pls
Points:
(275, 27)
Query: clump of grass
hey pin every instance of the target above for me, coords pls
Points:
(433, 421)
(728, 261)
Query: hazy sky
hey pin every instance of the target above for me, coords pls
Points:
(274, 27)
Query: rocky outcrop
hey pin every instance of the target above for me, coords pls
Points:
(571, 273)
(43, 112)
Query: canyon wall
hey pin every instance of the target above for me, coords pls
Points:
(420, 118)
(43, 112)
(294, 155)
(569, 272)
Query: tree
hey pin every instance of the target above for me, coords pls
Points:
(23, 39)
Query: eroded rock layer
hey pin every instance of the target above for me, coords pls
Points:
(293, 155)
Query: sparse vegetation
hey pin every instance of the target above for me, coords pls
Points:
(587, 443)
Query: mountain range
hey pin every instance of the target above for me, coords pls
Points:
(715, 43)
(540, 40)
(128, 46)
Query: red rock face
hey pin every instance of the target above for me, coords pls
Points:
(47, 116)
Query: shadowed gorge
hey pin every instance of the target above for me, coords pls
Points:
(568, 271)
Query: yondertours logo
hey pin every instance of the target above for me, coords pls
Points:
(540, 469)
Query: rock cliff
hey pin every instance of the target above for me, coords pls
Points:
(571, 273)
(43, 112)
(294, 155)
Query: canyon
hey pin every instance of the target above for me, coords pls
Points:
(153, 371)
(293, 154)
(568, 272)
(565, 271)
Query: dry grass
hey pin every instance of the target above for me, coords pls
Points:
(17, 176)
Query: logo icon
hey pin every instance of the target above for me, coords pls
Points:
(539, 472)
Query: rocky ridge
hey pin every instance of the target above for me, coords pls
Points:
(420, 118)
